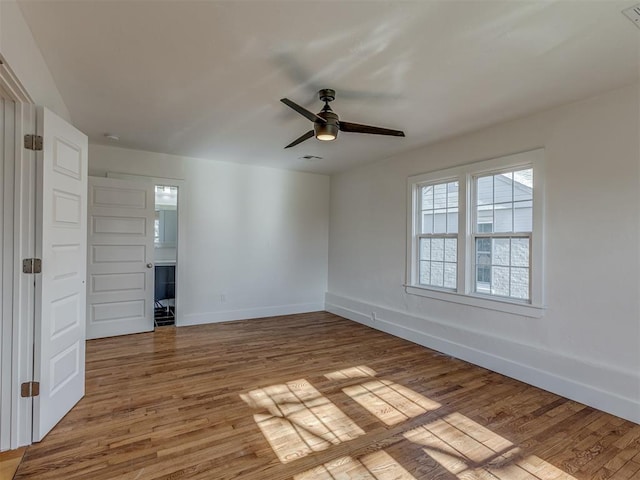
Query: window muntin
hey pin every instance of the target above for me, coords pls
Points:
(437, 241)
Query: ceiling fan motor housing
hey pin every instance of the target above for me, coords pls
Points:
(329, 129)
(327, 95)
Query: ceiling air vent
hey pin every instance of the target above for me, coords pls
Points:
(633, 14)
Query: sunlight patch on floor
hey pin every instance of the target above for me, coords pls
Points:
(361, 371)
(389, 402)
(375, 466)
(469, 451)
(299, 420)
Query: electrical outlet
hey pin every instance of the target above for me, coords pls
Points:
(373, 316)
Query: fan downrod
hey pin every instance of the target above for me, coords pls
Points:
(327, 95)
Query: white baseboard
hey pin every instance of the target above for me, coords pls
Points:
(248, 313)
(618, 392)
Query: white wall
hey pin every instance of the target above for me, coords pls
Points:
(587, 345)
(19, 50)
(257, 236)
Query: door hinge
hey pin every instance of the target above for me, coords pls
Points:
(33, 142)
(30, 389)
(31, 265)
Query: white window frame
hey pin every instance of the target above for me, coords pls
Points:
(464, 293)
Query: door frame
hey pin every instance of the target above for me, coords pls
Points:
(18, 331)
(181, 250)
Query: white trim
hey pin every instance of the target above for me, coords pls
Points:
(181, 252)
(19, 368)
(477, 300)
(465, 175)
(12, 86)
(8, 149)
(570, 377)
(248, 313)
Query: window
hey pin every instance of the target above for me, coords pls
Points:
(475, 234)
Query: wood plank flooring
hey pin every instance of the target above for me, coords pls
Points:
(9, 462)
(315, 396)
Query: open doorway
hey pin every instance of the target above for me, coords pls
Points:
(165, 254)
(167, 246)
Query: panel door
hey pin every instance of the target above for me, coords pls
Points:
(120, 257)
(61, 229)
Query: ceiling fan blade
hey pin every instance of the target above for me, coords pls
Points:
(303, 111)
(357, 128)
(301, 139)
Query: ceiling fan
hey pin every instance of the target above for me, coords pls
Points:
(326, 123)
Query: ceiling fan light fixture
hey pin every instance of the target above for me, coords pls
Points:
(326, 132)
(326, 137)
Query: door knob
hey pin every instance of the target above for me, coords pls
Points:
(149, 265)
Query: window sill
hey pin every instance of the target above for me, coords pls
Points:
(515, 308)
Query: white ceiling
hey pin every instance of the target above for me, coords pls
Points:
(204, 79)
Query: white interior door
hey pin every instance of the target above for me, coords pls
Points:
(120, 257)
(61, 225)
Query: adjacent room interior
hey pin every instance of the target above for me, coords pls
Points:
(308, 241)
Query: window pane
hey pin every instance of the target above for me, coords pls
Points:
(483, 279)
(484, 220)
(503, 188)
(523, 217)
(483, 275)
(440, 221)
(437, 274)
(500, 254)
(450, 275)
(452, 222)
(425, 249)
(484, 188)
(503, 216)
(523, 185)
(485, 228)
(440, 195)
(500, 281)
(520, 252)
(452, 197)
(437, 249)
(520, 283)
(450, 250)
(427, 223)
(425, 273)
(427, 197)
(483, 245)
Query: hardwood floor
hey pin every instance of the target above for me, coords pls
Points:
(315, 396)
(9, 462)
